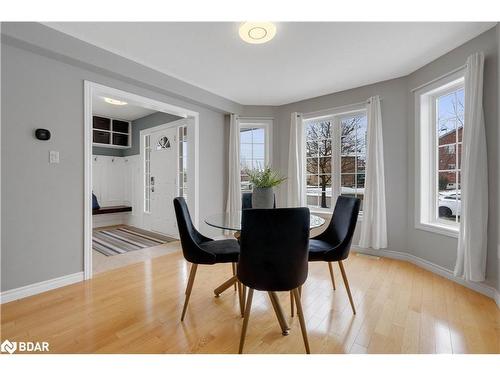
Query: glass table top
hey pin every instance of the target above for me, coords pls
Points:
(232, 221)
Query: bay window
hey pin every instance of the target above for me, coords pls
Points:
(335, 155)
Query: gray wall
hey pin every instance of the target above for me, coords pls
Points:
(146, 122)
(437, 248)
(42, 203)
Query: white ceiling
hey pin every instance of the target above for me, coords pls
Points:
(127, 112)
(304, 60)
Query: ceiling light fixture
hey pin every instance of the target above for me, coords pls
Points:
(115, 101)
(257, 32)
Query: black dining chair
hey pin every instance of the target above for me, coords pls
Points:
(246, 200)
(198, 249)
(273, 257)
(334, 244)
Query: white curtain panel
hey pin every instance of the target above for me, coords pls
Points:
(471, 250)
(234, 185)
(374, 222)
(296, 189)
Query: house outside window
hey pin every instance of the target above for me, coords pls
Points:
(255, 147)
(335, 158)
(439, 130)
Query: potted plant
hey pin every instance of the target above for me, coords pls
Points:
(263, 182)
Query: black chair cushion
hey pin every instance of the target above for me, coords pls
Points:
(317, 249)
(225, 251)
(274, 245)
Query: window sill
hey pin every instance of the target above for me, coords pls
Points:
(438, 228)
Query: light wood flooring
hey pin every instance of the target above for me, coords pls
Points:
(136, 309)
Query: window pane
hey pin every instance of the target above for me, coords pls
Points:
(325, 191)
(325, 165)
(361, 161)
(348, 181)
(459, 156)
(348, 164)
(311, 149)
(312, 180)
(258, 135)
(447, 157)
(246, 136)
(258, 151)
(316, 130)
(258, 164)
(312, 165)
(360, 187)
(312, 197)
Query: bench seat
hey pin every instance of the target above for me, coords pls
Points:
(111, 210)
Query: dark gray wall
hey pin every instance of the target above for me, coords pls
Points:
(42, 203)
(146, 122)
(107, 151)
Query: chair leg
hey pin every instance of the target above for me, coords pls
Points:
(291, 303)
(302, 321)
(189, 288)
(346, 283)
(234, 274)
(331, 274)
(248, 306)
(242, 290)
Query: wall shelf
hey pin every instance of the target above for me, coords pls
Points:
(111, 133)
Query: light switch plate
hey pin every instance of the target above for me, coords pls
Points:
(53, 157)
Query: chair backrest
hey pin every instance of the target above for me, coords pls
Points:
(341, 228)
(246, 200)
(274, 248)
(190, 237)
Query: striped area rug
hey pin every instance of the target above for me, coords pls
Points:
(121, 240)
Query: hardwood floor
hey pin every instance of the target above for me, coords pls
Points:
(136, 309)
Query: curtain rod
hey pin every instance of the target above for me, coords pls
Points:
(440, 77)
(327, 111)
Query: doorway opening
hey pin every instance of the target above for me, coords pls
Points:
(139, 154)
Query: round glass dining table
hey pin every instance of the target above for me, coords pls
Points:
(232, 221)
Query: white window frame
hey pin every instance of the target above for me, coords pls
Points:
(260, 123)
(335, 117)
(426, 155)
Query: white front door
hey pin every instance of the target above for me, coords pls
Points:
(163, 181)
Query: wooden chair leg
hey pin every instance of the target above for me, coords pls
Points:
(234, 274)
(331, 274)
(346, 283)
(291, 303)
(189, 288)
(302, 321)
(248, 306)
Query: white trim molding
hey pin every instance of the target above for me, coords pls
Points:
(92, 88)
(40, 287)
(482, 288)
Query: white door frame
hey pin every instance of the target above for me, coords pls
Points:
(92, 88)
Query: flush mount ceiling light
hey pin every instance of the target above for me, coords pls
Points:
(115, 101)
(257, 32)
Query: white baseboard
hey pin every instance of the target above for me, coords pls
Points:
(439, 270)
(43, 286)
